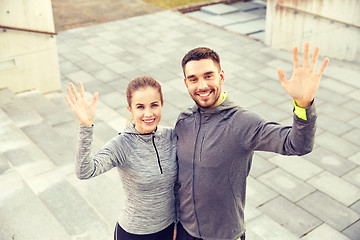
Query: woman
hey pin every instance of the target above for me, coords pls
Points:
(144, 155)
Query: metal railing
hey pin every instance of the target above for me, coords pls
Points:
(27, 30)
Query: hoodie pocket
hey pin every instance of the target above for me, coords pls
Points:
(212, 150)
(201, 147)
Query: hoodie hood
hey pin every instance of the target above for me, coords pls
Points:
(225, 105)
(225, 108)
(130, 129)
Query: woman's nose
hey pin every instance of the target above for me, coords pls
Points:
(148, 112)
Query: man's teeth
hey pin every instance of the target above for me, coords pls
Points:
(204, 94)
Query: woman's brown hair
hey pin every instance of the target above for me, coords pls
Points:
(142, 82)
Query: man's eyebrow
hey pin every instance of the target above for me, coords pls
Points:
(210, 72)
(206, 73)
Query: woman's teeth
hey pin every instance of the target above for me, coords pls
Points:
(149, 121)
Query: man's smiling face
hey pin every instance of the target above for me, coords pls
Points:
(204, 79)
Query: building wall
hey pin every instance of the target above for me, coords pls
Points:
(334, 25)
(28, 60)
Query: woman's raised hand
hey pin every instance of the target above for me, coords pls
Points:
(78, 103)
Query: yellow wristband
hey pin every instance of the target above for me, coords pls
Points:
(300, 112)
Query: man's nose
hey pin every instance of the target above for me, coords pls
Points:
(202, 84)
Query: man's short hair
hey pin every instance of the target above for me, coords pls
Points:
(199, 54)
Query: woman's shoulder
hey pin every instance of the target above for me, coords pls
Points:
(124, 139)
(165, 129)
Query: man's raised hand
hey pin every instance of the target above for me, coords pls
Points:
(304, 81)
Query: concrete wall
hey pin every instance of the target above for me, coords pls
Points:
(28, 60)
(334, 25)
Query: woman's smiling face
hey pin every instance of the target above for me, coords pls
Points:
(146, 108)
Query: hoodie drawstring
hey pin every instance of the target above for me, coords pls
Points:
(157, 154)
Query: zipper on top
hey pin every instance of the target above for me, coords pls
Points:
(157, 154)
(193, 180)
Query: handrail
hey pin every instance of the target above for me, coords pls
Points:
(316, 15)
(28, 30)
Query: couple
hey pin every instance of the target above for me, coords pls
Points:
(204, 161)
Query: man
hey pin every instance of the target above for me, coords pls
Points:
(217, 139)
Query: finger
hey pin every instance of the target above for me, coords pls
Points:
(71, 105)
(282, 77)
(306, 55)
(68, 101)
(296, 57)
(314, 58)
(81, 90)
(95, 98)
(74, 91)
(323, 66)
(71, 95)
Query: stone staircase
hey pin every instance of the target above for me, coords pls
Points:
(40, 196)
(246, 18)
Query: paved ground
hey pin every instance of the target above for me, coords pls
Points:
(314, 197)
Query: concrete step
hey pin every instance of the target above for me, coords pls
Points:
(30, 119)
(219, 9)
(4, 164)
(104, 193)
(18, 110)
(49, 124)
(40, 196)
(18, 152)
(75, 214)
(23, 215)
(6, 96)
(51, 143)
(46, 108)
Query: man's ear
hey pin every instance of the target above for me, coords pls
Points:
(222, 76)
(185, 82)
(129, 109)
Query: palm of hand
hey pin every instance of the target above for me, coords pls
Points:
(84, 111)
(78, 103)
(304, 81)
(302, 85)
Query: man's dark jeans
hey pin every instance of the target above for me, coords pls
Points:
(182, 234)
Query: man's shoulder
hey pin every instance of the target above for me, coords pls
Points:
(237, 116)
(187, 113)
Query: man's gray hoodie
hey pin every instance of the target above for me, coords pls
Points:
(148, 169)
(215, 149)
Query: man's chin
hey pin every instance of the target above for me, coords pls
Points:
(203, 104)
(209, 103)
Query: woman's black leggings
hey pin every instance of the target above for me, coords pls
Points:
(166, 234)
